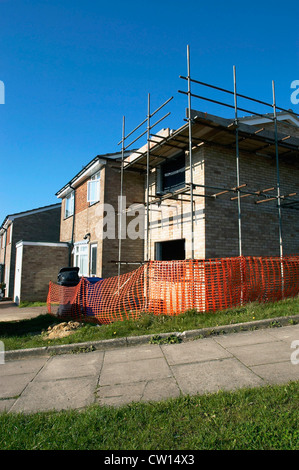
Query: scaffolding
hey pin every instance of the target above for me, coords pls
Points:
(234, 135)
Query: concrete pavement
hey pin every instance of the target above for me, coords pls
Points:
(9, 311)
(144, 372)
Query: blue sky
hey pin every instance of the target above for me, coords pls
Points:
(73, 69)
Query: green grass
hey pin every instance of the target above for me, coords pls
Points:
(256, 419)
(25, 303)
(28, 333)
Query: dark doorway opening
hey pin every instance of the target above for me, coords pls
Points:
(170, 250)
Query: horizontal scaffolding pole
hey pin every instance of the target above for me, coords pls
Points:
(226, 104)
(239, 95)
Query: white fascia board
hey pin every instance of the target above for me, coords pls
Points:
(86, 174)
(24, 243)
(7, 224)
(263, 120)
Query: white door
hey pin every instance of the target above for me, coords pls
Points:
(18, 274)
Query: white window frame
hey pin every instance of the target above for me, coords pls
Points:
(69, 205)
(92, 247)
(93, 188)
(81, 258)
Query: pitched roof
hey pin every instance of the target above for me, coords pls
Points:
(89, 168)
(29, 212)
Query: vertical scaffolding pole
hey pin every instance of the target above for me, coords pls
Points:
(277, 172)
(238, 190)
(147, 176)
(238, 164)
(278, 190)
(190, 153)
(121, 196)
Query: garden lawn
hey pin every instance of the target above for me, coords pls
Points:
(255, 419)
(30, 333)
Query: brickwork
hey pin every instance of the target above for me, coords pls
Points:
(260, 235)
(92, 219)
(215, 220)
(131, 250)
(171, 220)
(41, 226)
(40, 265)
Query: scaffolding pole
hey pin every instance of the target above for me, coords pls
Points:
(237, 163)
(277, 173)
(121, 196)
(190, 153)
(278, 191)
(147, 175)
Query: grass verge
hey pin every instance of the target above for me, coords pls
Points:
(255, 419)
(29, 333)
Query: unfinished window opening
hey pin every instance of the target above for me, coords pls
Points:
(171, 174)
(170, 250)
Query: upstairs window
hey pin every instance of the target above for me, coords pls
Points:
(69, 205)
(93, 189)
(172, 174)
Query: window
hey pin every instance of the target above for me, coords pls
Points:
(81, 258)
(170, 250)
(93, 260)
(93, 189)
(172, 174)
(69, 205)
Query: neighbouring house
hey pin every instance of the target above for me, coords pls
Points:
(31, 253)
(214, 177)
(89, 217)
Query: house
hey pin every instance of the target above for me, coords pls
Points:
(213, 214)
(29, 252)
(94, 193)
(89, 217)
(237, 193)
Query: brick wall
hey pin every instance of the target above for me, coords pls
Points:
(41, 226)
(41, 265)
(131, 250)
(260, 235)
(91, 218)
(171, 220)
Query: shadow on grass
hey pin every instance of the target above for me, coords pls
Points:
(28, 326)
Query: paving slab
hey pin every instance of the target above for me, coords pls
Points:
(120, 394)
(194, 351)
(162, 389)
(146, 351)
(148, 372)
(277, 373)
(151, 390)
(212, 376)
(56, 395)
(262, 353)
(15, 376)
(134, 371)
(288, 333)
(22, 366)
(71, 365)
(245, 337)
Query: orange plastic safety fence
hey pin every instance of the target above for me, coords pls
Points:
(173, 287)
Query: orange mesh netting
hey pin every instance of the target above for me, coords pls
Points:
(173, 287)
